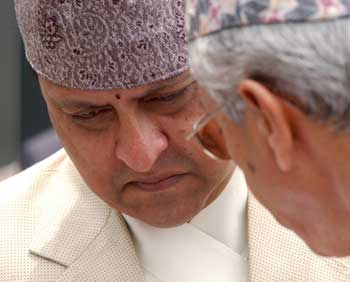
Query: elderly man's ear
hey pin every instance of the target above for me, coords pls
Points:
(273, 121)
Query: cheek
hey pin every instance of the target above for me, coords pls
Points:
(209, 174)
(235, 143)
(91, 151)
(178, 126)
(94, 158)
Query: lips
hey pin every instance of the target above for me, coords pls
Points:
(158, 183)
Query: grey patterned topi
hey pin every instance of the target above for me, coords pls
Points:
(208, 16)
(104, 44)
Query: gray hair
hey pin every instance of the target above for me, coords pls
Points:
(307, 63)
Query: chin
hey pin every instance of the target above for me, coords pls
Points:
(331, 248)
(322, 242)
(166, 222)
(165, 209)
(322, 251)
(167, 217)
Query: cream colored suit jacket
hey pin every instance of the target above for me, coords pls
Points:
(53, 228)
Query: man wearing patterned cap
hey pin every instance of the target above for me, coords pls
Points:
(281, 72)
(115, 79)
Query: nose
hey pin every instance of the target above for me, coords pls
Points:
(139, 144)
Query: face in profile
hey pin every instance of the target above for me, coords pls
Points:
(129, 146)
(296, 166)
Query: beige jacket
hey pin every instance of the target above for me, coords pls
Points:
(54, 229)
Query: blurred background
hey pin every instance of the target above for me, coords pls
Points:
(26, 134)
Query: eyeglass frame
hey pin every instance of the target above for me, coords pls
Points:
(200, 124)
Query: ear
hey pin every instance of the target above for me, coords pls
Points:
(272, 122)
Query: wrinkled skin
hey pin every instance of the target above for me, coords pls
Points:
(296, 166)
(122, 141)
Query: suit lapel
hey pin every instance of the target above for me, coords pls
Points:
(110, 257)
(76, 229)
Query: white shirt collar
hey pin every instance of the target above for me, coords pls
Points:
(225, 219)
(207, 249)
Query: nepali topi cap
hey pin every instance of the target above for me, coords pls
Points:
(104, 44)
(204, 17)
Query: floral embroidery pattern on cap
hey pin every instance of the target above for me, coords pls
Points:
(104, 44)
(207, 16)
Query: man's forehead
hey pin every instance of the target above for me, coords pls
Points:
(173, 81)
(171, 84)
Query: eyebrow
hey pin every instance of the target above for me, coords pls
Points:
(178, 79)
(71, 103)
(163, 84)
(184, 82)
(79, 104)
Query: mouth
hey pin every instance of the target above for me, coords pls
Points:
(158, 184)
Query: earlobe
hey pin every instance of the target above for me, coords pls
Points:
(272, 121)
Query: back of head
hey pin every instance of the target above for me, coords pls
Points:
(307, 63)
(283, 70)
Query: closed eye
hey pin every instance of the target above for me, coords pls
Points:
(169, 97)
(163, 98)
(91, 114)
(94, 119)
(169, 103)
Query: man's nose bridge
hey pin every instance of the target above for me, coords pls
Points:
(137, 131)
(140, 142)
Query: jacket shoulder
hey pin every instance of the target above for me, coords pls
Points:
(26, 184)
(278, 254)
(18, 196)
